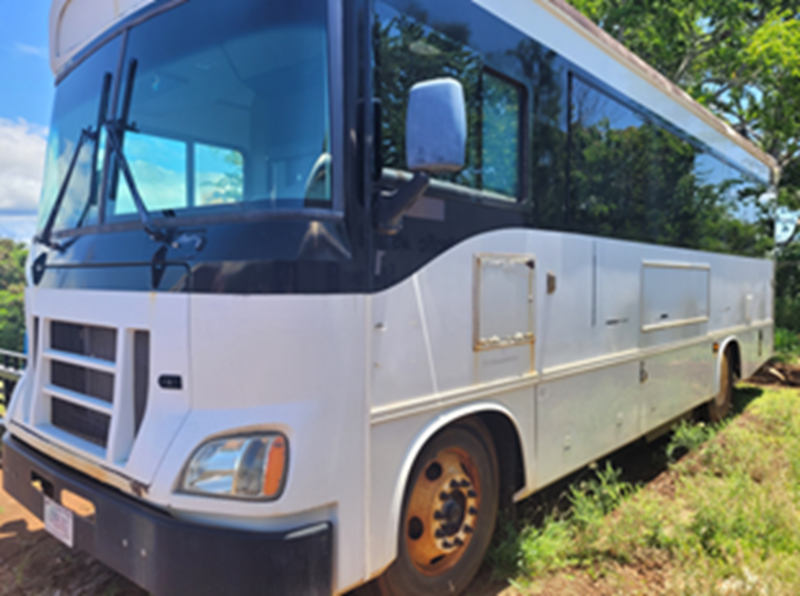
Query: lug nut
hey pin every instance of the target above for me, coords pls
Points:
(473, 511)
(468, 529)
(472, 493)
(465, 484)
(438, 514)
(454, 483)
(444, 496)
(458, 542)
(446, 544)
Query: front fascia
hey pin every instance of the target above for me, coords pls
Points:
(307, 250)
(269, 313)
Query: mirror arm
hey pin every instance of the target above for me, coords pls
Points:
(393, 206)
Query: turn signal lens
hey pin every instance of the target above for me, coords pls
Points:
(276, 464)
(247, 466)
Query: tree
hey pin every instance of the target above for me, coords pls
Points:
(12, 294)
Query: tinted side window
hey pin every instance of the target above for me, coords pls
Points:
(408, 51)
(610, 166)
(502, 105)
(631, 178)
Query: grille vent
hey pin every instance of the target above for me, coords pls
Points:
(81, 371)
(82, 422)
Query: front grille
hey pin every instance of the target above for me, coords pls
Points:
(85, 340)
(82, 422)
(93, 383)
(90, 375)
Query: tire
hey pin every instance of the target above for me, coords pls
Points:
(720, 406)
(448, 515)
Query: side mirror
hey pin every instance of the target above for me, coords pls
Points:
(436, 126)
(436, 140)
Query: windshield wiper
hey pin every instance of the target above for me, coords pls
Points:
(87, 134)
(115, 131)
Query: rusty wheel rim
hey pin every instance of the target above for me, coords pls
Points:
(442, 511)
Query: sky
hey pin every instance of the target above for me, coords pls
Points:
(26, 98)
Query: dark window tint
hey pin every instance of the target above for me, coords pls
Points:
(500, 134)
(609, 155)
(408, 51)
(632, 178)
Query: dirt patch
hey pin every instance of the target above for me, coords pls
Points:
(33, 562)
(645, 578)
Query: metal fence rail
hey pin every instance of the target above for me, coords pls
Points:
(12, 364)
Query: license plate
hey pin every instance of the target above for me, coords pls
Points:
(58, 521)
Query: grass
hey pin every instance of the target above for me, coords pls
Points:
(787, 345)
(725, 519)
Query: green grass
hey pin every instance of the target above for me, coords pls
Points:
(787, 345)
(730, 522)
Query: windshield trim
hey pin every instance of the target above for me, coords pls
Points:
(336, 101)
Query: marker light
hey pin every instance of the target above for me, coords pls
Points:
(245, 466)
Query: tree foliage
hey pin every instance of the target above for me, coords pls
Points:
(12, 284)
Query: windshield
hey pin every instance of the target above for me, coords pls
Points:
(228, 111)
(76, 109)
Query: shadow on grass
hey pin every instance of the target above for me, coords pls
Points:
(743, 396)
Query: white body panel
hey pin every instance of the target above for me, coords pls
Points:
(599, 377)
(359, 383)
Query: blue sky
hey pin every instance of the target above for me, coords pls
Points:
(26, 97)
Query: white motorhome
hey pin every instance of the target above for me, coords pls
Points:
(318, 286)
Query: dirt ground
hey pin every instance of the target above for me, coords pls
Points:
(34, 563)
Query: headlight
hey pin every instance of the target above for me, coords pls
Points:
(245, 466)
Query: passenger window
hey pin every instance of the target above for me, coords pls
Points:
(502, 101)
(158, 166)
(218, 175)
(609, 165)
(409, 50)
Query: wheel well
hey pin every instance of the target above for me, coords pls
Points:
(509, 454)
(735, 358)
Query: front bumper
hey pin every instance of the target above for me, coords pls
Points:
(168, 556)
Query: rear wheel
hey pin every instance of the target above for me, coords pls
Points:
(448, 515)
(720, 406)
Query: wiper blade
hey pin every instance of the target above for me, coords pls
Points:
(114, 132)
(144, 215)
(86, 134)
(47, 232)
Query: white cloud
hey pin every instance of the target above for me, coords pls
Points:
(32, 50)
(22, 151)
(17, 227)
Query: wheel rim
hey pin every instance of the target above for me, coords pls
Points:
(443, 511)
